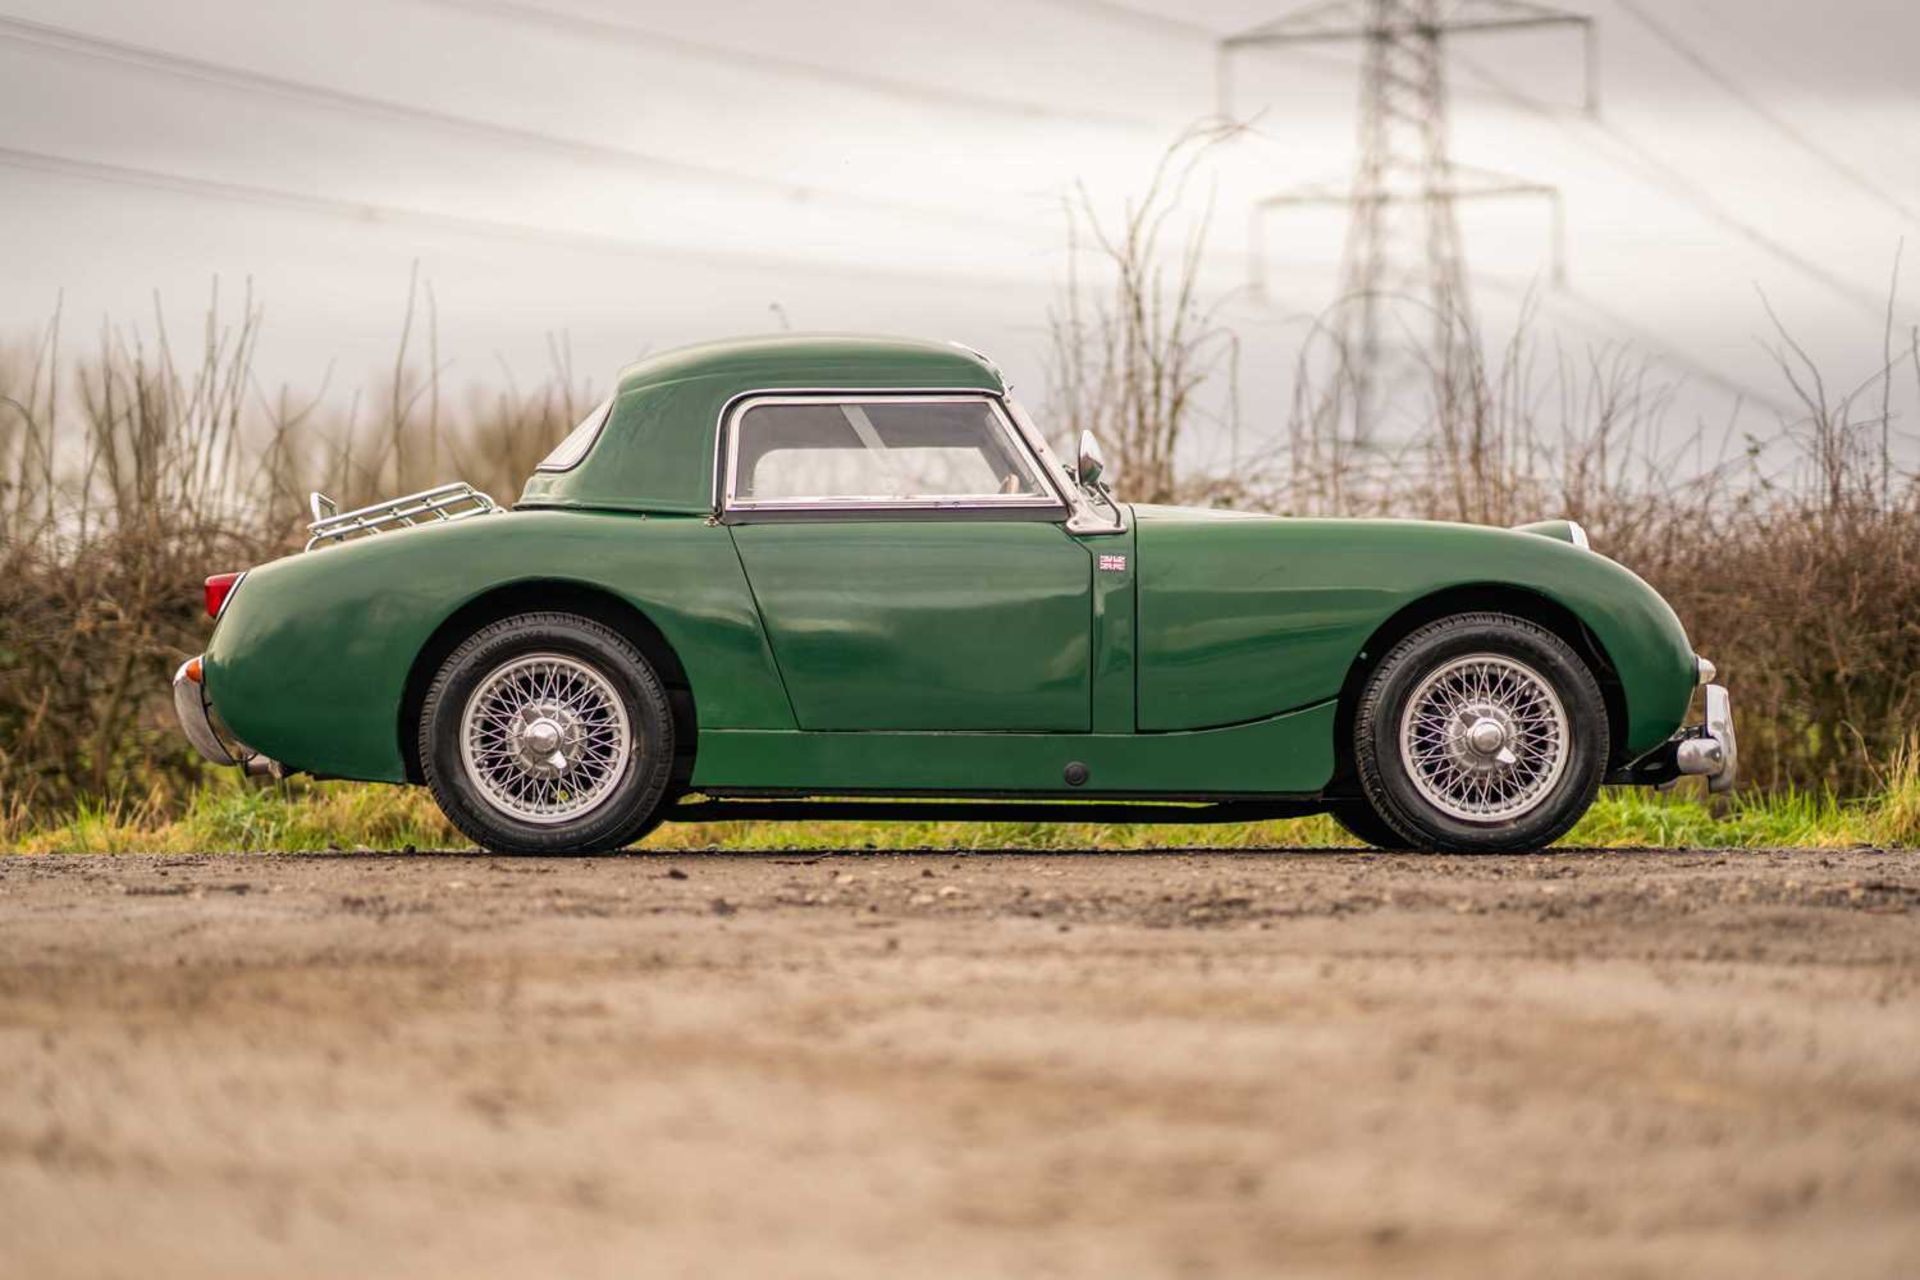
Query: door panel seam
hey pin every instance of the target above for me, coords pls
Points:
(766, 635)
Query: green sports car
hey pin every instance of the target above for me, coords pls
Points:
(810, 577)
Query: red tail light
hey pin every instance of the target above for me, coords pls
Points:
(219, 587)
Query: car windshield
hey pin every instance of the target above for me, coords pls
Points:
(570, 450)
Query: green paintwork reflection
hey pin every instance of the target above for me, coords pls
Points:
(925, 623)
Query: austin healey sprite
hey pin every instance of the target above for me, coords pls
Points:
(812, 577)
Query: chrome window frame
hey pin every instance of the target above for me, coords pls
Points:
(1085, 518)
(1054, 505)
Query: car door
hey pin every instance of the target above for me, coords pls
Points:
(910, 563)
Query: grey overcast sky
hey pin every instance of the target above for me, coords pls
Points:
(640, 174)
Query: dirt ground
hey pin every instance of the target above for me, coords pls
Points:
(881, 1065)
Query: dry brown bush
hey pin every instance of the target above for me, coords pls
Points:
(130, 474)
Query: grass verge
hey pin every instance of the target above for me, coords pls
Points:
(232, 815)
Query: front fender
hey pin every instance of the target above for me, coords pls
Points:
(1245, 617)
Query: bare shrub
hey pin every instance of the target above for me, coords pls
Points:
(127, 476)
(99, 561)
(1808, 578)
(1128, 356)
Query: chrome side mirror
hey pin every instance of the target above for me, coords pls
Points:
(1091, 464)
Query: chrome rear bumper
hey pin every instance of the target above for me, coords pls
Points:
(190, 705)
(195, 714)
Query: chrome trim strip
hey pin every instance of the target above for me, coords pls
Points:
(1022, 502)
(232, 591)
(849, 515)
(727, 457)
(722, 427)
(1578, 534)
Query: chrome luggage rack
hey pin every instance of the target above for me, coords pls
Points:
(453, 501)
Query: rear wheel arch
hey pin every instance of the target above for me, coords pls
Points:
(550, 596)
(1490, 597)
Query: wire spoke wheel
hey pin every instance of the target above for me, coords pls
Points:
(1484, 738)
(545, 738)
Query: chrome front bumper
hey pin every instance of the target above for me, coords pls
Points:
(1707, 750)
(1711, 751)
(195, 714)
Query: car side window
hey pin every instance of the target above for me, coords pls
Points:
(944, 451)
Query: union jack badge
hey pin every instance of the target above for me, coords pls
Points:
(1113, 564)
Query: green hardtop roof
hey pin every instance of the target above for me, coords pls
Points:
(779, 358)
(656, 451)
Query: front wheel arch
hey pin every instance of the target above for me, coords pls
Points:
(547, 595)
(1484, 597)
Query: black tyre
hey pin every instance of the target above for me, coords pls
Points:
(1357, 819)
(1480, 733)
(548, 733)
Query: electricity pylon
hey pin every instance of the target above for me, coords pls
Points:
(1403, 239)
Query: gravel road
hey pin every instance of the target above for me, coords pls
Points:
(887, 1065)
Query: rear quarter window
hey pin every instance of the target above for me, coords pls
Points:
(568, 453)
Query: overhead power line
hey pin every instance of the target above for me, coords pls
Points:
(1199, 33)
(1695, 194)
(844, 75)
(1699, 61)
(1649, 168)
(1792, 77)
(1693, 364)
(78, 44)
(1132, 15)
(378, 214)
